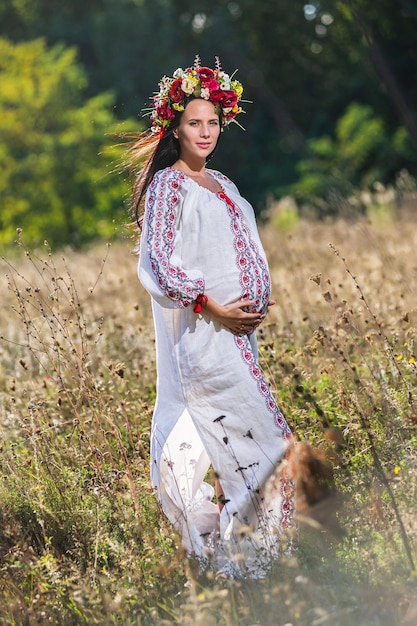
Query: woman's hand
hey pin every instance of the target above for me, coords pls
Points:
(234, 317)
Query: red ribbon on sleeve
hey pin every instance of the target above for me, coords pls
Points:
(200, 300)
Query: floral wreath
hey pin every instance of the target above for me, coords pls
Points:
(198, 82)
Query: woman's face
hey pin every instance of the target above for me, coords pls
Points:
(198, 130)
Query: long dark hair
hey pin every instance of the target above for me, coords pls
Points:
(164, 154)
(159, 153)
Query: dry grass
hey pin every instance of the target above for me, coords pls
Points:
(82, 540)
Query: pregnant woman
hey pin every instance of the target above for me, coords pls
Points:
(203, 264)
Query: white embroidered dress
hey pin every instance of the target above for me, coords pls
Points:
(213, 405)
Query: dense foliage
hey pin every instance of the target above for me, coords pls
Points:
(333, 109)
(53, 178)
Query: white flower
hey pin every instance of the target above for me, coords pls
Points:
(227, 109)
(205, 93)
(224, 76)
(179, 73)
(224, 81)
(187, 86)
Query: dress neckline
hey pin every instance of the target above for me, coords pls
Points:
(215, 193)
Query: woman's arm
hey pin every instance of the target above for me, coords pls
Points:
(160, 268)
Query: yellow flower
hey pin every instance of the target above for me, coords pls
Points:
(400, 357)
(237, 87)
(397, 469)
(178, 106)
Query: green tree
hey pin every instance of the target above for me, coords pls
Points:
(55, 168)
(123, 45)
(386, 32)
(302, 62)
(362, 152)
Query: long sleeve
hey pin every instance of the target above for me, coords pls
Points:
(161, 269)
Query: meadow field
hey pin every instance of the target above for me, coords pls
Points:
(82, 539)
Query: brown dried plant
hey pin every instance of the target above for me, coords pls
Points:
(82, 538)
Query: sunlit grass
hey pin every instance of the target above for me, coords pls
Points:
(82, 539)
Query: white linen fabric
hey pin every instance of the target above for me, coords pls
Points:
(213, 404)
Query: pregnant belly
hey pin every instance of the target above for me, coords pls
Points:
(247, 280)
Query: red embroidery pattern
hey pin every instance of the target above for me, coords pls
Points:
(286, 486)
(161, 206)
(254, 274)
(242, 342)
(287, 489)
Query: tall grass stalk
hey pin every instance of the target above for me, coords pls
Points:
(82, 539)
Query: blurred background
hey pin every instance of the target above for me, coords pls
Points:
(331, 120)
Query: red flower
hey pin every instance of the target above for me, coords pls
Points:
(216, 96)
(205, 74)
(229, 99)
(175, 90)
(212, 85)
(165, 112)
